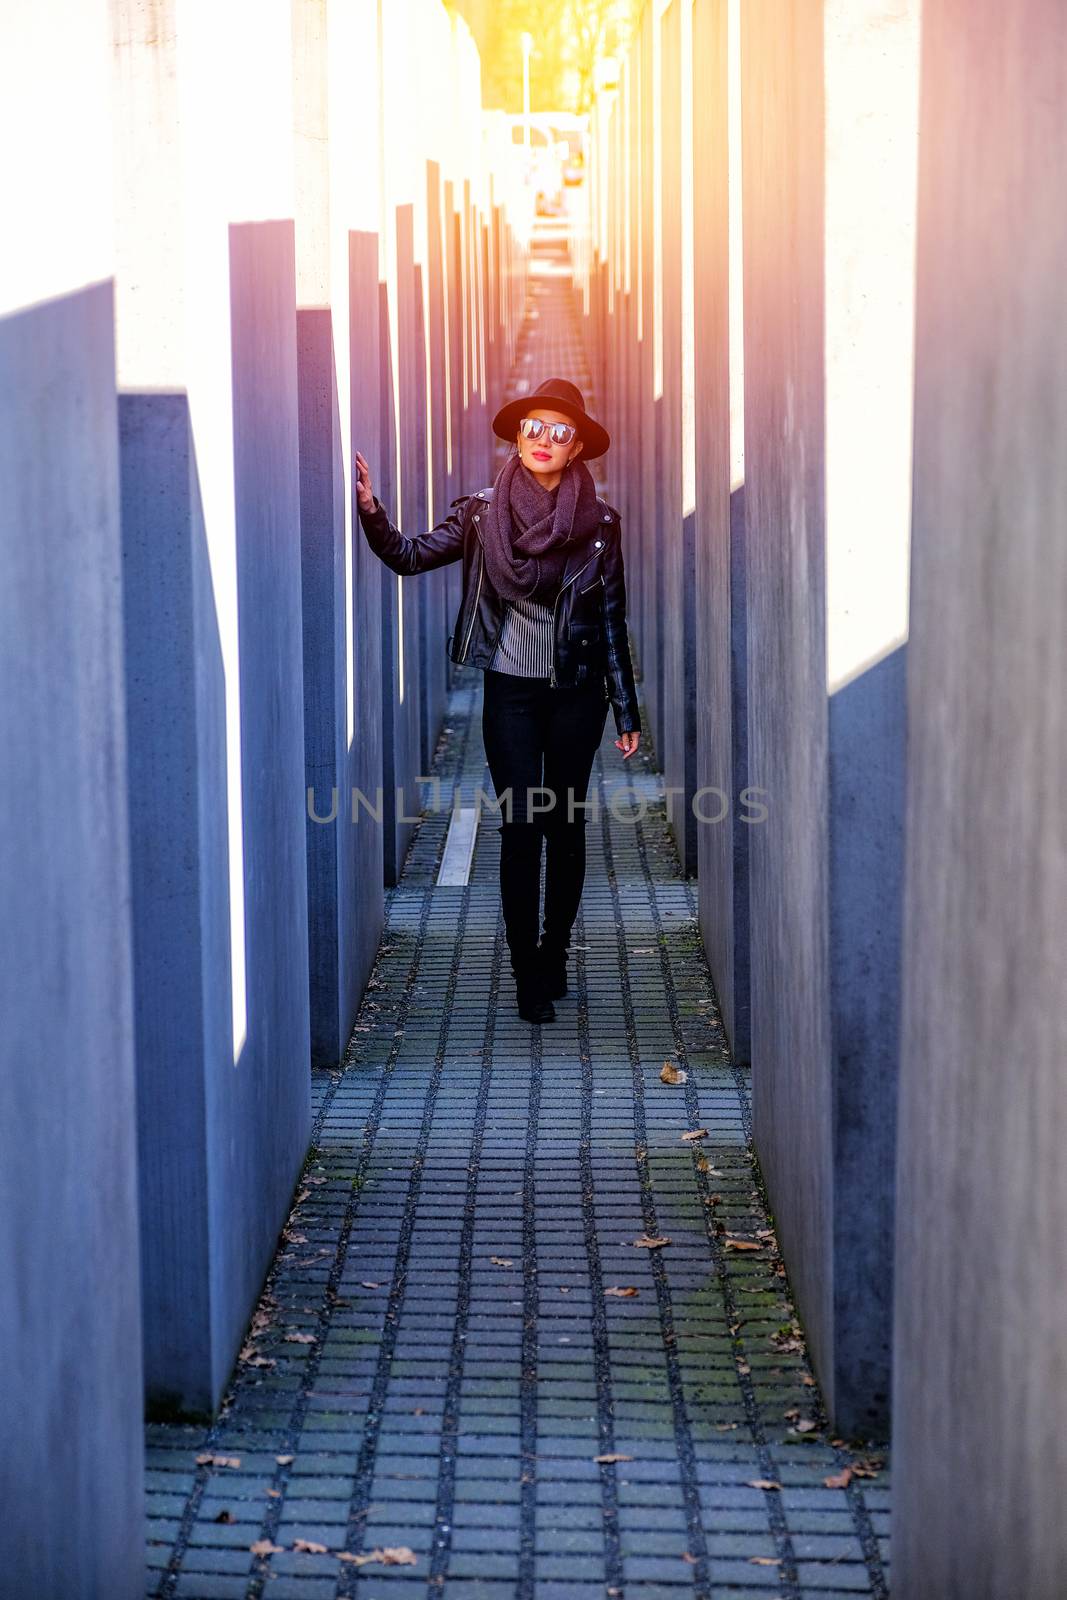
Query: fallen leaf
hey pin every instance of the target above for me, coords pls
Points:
(618, 1292)
(311, 1547)
(807, 1380)
(645, 1243)
(839, 1480)
(501, 1261)
(299, 1338)
(805, 1425)
(264, 1547)
(218, 1461)
(765, 1561)
(697, 1133)
(669, 1073)
(689, 1559)
(731, 1243)
(366, 1284)
(606, 1461)
(284, 1461)
(762, 1483)
(275, 1494)
(702, 1164)
(391, 1556)
(744, 1369)
(727, 1427)
(224, 1516)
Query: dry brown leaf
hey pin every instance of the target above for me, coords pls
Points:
(839, 1480)
(744, 1369)
(696, 1133)
(264, 1547)
(689, 1559)
(501, 1261)
(284, 1461)
(311, 1547)
(727, 1427)
(732, 1243)
(218, 1461)
(765, 1561)
(620, 1292)
(606, 1461)
(299, 1338)
(647, 1243)
(805, 1425)
(808, 1380)
(365, 1283)
(762, 1483)
(669, 1073)
(397, 1555)
(702, 1164)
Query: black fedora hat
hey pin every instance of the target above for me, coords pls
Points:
(555, 394)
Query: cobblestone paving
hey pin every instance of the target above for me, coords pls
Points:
(462, 1358)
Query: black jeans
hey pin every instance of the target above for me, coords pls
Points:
(538, 738)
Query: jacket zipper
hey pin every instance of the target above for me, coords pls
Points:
(555, 603)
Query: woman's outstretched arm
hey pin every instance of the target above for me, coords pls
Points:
(436, 548)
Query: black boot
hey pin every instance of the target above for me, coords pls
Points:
(552, 959)
(533, 1001)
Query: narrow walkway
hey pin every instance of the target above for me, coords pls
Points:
(529, 1336)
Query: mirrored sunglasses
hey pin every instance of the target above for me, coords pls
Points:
(558, 432)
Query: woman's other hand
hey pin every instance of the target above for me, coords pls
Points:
(628, 743)
(364, 492)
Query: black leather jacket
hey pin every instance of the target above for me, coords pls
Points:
(590, 610)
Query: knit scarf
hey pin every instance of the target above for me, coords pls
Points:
(529, 530)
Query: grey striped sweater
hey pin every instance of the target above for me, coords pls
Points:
(524, 647)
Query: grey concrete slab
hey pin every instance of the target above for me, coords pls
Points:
(982, 1185)
(334, 298)
(222, 1120)
(70, 1291)
(676, 561)
(826, 295)
(363, 864)
(721, 648)
(213, 642)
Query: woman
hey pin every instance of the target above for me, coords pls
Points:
(544, 614)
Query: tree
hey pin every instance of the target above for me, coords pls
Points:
(567, 43)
